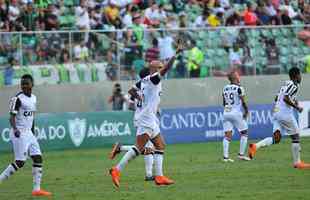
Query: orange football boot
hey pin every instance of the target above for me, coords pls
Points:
(302, 165)
(163, 180)
(252, 150)
(115, 174)
(38, 193)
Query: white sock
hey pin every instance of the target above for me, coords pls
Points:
(149, 160)
(126, 147)
(129, 155)
(296, 152)
(243, 144)
(226, 147)
(9, 171)
(37, 176)
(264, 143)
(158, 160)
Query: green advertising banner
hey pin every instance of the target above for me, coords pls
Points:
(76, 130)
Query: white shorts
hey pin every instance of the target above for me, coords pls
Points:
(231, 120)
(24, 146)
(152, 132)
(285, 123)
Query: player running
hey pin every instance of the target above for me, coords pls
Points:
(148, 128)
(22, 109)
(149, 147)
(284, 120)
(234, 103)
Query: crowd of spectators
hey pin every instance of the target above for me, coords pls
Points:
(133, 17)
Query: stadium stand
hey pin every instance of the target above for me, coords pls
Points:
(69, 41)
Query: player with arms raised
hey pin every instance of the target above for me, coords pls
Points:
(117, 148)
(284, 120)
(234, 103)
(22, 110)
(148, 128)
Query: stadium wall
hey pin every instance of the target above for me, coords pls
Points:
(176, 93)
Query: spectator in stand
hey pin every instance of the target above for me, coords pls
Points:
(9, 72)
(3, 13)
(14, 11)
(82, 18)
(111, 12)
(273, 53)
(306, 13)
(152, 53)
(28, 17)
(304, 35)
(95, 19)
(152, 16)
(235, 57)
(165, 44)
(249, 16)
(80, 52)
(195, 60)
(216, 19)
(127, 19)
(50, 18)
(202, 20)
(64, 56)
(285, 18)
(112, 67)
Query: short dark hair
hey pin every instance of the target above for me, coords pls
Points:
(27, 76)
(144, 72)
(293, 72)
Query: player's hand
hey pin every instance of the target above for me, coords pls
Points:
(16, 133)
(300, 109)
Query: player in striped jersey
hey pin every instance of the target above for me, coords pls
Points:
(284, 120)
(22, 111)
(148, 129)
(149, 147)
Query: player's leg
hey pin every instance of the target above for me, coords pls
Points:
(242, 127)
(159, 146)
(142, 138)
(293, 131)
(118, 148)
(228, 128)
(275, 139)
(20, 154)
(149, 161)
(226, 142)
(37, 168)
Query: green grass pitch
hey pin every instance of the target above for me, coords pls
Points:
(197, 169)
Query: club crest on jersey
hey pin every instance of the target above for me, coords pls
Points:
(77, 130)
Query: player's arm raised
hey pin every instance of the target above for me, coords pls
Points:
(15, 104)
(169, 64)
(243, 101)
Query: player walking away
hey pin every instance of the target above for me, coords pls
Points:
(148, 128)
(149, 147)
(22, 110)
(234, 103)
(284, 120)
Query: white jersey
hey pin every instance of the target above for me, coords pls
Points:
(151, 92)
(232, 100)
(24, 108)
(290, 89)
